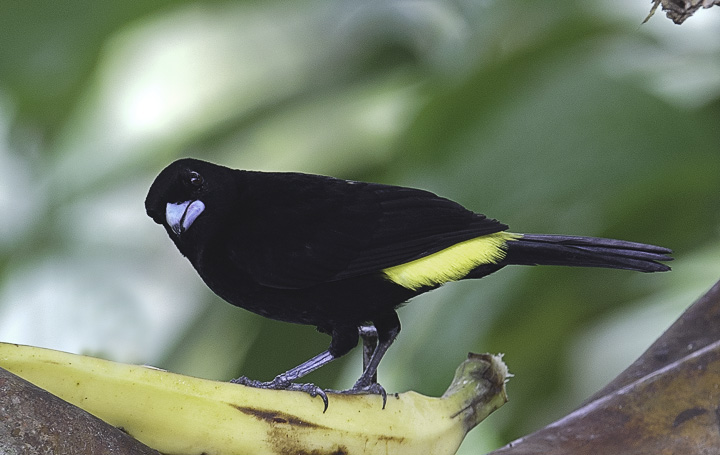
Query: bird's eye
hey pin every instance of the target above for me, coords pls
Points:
(196, 179)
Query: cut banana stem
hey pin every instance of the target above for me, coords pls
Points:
(183, 415)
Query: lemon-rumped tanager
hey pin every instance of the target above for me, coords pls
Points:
(341, 254)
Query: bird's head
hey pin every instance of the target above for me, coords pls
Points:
(183, 193)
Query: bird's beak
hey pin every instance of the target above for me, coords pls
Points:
(181, 215)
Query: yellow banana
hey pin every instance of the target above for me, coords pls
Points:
(177, 414)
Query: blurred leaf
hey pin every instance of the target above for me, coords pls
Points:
(50, 49)
(557, 145)
(573, 119)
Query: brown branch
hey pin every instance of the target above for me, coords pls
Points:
(33, 421)
(679, 10)
(666, 402)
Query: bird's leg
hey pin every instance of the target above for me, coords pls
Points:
(369, 376)
(284, 381)
(387, 330)
(369, 336)
(304, 368)
(343, 340)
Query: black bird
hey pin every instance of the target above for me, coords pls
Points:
(341, 254)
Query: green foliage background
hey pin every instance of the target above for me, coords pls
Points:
(570, 119)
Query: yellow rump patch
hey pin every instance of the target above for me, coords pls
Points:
(452, 263)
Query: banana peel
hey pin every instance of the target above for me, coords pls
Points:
(182, 415)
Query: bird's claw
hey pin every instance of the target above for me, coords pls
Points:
(278, 384)
(312, 390)
(244, 380)
(372, 388)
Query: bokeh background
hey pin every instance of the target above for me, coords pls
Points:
(572, 118)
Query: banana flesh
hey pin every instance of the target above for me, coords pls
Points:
(182, 415)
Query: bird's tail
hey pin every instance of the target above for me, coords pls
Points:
(541, 249)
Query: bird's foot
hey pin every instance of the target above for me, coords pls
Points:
(371, 388)
(280, 384)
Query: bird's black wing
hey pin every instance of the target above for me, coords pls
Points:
(299, 230)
